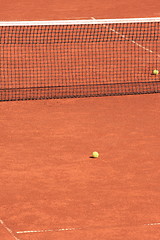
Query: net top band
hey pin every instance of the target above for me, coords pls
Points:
(80, 22)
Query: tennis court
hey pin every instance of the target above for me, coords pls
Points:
(60, 59)
(51, 188)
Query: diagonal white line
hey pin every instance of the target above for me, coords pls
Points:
(139, 45)
(8, 230)
(123, 36)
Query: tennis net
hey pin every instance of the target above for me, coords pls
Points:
(59, 59)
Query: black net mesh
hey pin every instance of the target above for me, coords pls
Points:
(58, 61)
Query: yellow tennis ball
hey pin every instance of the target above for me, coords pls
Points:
(155, 72)
(95, 154)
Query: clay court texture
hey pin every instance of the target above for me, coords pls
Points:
(50, 186)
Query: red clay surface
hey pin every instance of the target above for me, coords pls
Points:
(12, 10)
(48, 183)
(5, 234)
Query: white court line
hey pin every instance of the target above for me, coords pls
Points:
(123, 36)
(70, 229)
(8, 230)
(50, 230)
(152, 224)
